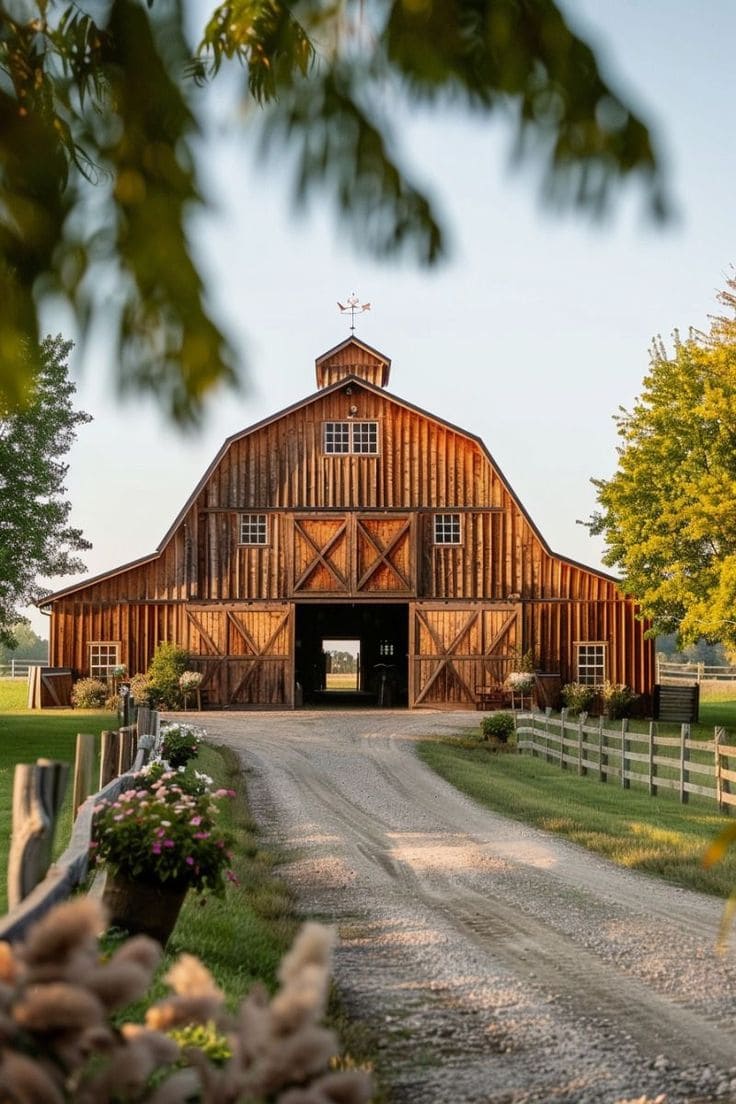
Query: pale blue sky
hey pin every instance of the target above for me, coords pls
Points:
(530, 335)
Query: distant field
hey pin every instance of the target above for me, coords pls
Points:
(348, 681)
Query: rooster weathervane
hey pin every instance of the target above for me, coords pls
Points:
(352, 307)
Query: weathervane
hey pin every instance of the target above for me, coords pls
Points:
(353, 307)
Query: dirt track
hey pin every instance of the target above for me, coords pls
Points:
(499, 964)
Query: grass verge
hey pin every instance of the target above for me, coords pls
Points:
(656, 835)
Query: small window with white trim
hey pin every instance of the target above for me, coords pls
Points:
(447, 529)
(253, 529)
(590, 663)
(103, 656)
(360, 438)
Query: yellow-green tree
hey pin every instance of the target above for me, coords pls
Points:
(668, 514)
(99, 115)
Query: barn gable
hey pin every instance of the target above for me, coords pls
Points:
(352, 495)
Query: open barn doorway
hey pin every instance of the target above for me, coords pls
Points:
(370, 640)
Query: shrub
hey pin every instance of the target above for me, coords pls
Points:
(140, 689)
(578, 696)
(498, 726)
(89, 693)
(520, 682)
(618, 700)
(167, 666)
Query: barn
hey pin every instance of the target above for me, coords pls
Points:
(353, 515)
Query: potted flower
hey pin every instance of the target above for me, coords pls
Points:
(190, 683)
(180, 743)
(156, 844)
(521, 684)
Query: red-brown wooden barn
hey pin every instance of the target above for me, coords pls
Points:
(354, 515)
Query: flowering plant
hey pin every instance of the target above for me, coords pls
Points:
(157, 775)
(190, 680)
(520, 682)
(120, 670)
(180, 743)
(164, 835)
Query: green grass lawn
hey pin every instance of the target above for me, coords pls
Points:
(655, 834)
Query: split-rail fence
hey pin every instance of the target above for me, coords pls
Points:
(613, 752)
(35, 884)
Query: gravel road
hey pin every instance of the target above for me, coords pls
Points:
(498, 963)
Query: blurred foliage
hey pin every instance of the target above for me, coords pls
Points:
(667, 513)
(36, 538)
(99, 112)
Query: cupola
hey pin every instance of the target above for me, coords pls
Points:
(352, 358)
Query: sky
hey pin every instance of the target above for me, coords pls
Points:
(531, 335)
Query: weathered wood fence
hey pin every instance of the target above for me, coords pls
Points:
(35, 885)
(611, 752)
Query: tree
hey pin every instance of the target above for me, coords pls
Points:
(36, 538)
(28, 645)
(98, 118)
(667, 514)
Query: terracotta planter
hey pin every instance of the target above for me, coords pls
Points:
(143, 908)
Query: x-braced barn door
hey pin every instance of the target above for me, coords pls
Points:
(353, 554)
(244, 652)
(455, 649)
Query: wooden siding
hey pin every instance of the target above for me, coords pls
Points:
(354, 528)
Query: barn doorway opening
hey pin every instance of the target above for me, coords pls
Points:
(376, 634)
(342, 665)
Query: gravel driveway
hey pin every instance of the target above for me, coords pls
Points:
(499, 964)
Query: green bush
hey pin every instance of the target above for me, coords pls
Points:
(578, 696)
(167, 666)
(618, 700)
(498, 726)
(180, 744)
(140, 689)
(89, 693)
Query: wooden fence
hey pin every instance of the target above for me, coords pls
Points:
(18, 668)
(37, 794)
(613, 753)
(692, 672)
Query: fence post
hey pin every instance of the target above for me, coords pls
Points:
(722, 785)
(126, 749)
(581, 721)
(652, 764)
(602, 753)
(547, 715)
(84, 761)
(684, 756)
(563, 719)
(109, 755)
(625, 782)
(38, 791)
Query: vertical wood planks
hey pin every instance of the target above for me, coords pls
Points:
(684, 757)
(84, 763)
(38, 792)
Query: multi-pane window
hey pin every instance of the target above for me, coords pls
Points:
(103, 656)
(337, 436)
(386, 648)
(447, 529)
(365, 437)
(356, 437)
(591, 663)
(253, 529)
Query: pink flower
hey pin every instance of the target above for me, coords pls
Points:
(196, 821)
(156, 848)
(189, 860)
(201, 835)
(232, 877)
(169, 843)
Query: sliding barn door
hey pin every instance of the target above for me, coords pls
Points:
(245, 653)
(454, 649)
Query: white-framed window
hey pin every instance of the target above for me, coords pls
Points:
(356, 437)
(253, 529)
(447, 529)
(590, 662)
(103, 656)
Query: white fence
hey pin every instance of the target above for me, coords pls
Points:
(19, 668)
(692, 672)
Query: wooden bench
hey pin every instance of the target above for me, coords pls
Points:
(491, 697)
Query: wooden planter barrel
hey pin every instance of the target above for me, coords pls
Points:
(143, 908)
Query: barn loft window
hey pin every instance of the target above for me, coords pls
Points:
(103, 656)
(447, 529)
(591, 663)
(253, 529)
(356, 437)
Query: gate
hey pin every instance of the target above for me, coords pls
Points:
(244, 652)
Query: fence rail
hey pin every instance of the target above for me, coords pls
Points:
(19, 668)
(693, 672)
(679, 763)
